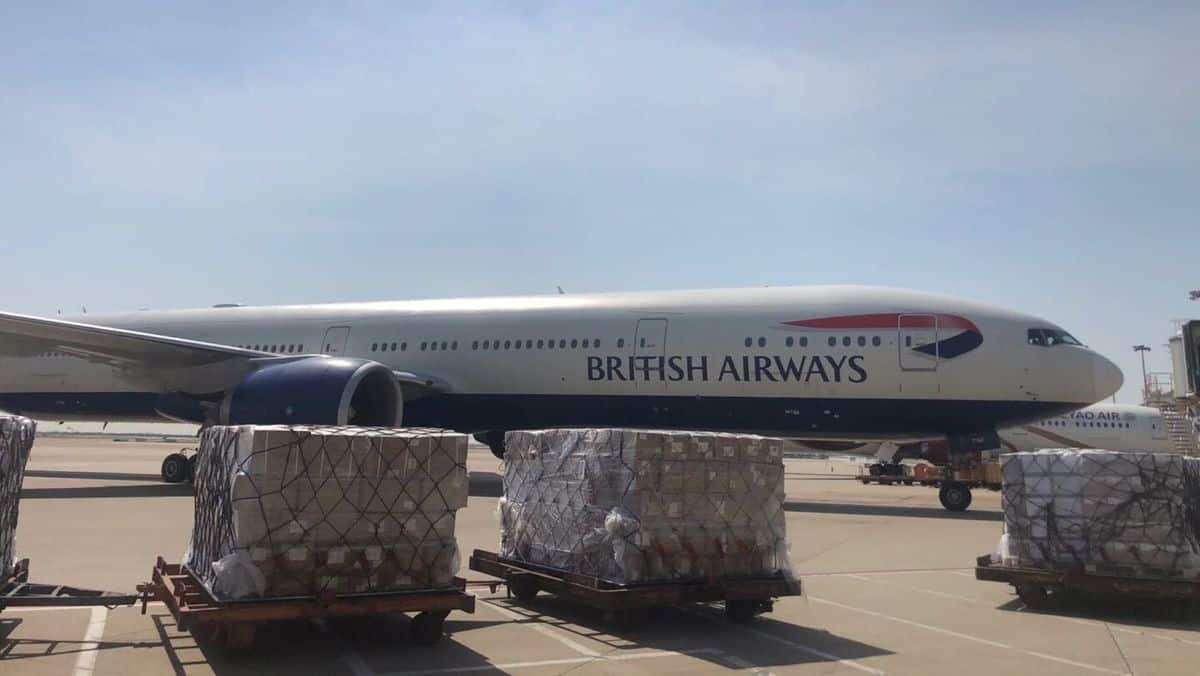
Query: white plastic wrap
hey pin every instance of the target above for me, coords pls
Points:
(16, 440)
(318, 509)
(1125, 513)
(632, 506)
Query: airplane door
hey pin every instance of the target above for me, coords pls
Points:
(335, 340)
(650, 340)
(918, 342)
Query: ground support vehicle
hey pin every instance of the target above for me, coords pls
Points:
(1046, 589)
(16, 591)
(233, 623)
(743, 597)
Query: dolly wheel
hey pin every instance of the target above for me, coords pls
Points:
(523, 587)
(741, 610)
(954, 496)
(174, 468)
(1033, 595)
(426, 628)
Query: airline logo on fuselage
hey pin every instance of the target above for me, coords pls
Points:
(694, 368)
(955, 335)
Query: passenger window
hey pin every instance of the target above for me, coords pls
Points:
(803, 341)
(424, 345)
(475, 345)
(517, 345)
(862, 341)
(550, 344)
(485, 344)
(586, 342)
(403, 346)
(620, 342)
(908, 341)
(541, 343)
(762, 342)
(562, 343)
(454, 345)
(393, 347)
(832, 341)
(596, 343)
(875, 341)
(846, 341)
(507, 344)
(529, 344)
(575, 343)
(443, 345)
(749, 342)
(433, 346)
(788, 341)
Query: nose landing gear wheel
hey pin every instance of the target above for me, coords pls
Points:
(175, 468)
(955, 497)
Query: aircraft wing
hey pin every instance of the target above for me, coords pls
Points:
(26, 336)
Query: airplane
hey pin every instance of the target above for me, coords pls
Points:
(822, 362)
(1111, 427)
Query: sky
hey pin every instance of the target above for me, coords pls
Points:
(1039, 156)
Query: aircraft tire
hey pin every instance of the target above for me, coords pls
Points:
(954, 496)
(175, 468)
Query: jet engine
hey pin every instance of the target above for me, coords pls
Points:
(316, 391)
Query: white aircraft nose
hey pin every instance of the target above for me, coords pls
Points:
(1106, 377)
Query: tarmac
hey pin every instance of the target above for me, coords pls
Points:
(887, 574)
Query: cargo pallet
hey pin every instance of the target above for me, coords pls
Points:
(17, 591)
(1043, 589)
(744, 597)
(234, 623)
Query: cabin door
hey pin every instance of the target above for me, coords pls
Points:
(335, 340)
(650, 340)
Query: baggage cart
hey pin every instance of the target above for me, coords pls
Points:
(16, 591)
(233, 623)
(1041, 588)
(744, 597)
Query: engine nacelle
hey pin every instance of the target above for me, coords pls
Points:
(316, 391)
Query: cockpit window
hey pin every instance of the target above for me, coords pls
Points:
(1051, 337)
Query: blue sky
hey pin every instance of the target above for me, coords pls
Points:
(1041, 157)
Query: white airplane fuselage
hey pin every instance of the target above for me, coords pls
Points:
(1110, 427)
(820, 362)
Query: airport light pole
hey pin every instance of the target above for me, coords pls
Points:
(1143, 349)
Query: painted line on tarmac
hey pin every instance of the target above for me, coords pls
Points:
(920, 589)
(815, 652)
(85, 662)
(46, 609)
(353, 661)
(1074, 620)
(968, 637)
(510, 666)
(541, 628)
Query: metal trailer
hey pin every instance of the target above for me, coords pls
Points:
(743, 597)
(1044, 589)
(233, 623)
(16, 591)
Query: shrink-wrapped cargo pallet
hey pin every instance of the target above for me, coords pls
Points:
(298, 511)
(16, 439)
(1128, 513)
(630, 506)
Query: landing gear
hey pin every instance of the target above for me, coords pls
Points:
(176, 468)
(493, 440)
(955, 497)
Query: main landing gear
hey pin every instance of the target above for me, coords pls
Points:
(955, 496)
(493, 440)
(177, 468)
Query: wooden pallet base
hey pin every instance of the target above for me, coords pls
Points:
(194, 608)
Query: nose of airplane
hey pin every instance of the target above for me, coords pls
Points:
(1106, 377)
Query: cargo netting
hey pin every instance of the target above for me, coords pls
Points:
(303, 511)
(16, 440)
(1127, 513)
(632, 506)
